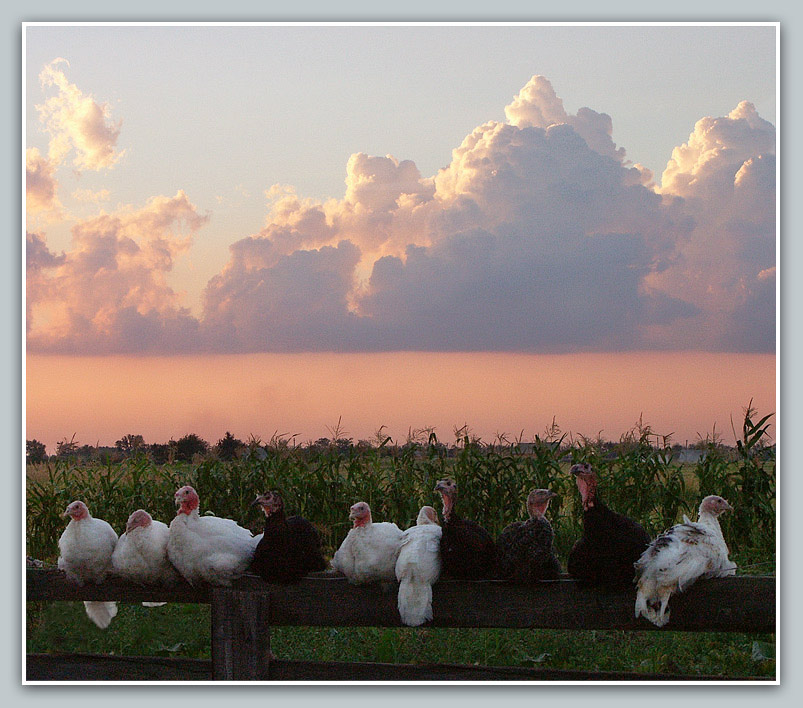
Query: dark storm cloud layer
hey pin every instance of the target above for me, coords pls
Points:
(540, 235)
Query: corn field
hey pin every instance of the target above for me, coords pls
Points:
(637, 478)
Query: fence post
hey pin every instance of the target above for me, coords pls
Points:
(240, 635)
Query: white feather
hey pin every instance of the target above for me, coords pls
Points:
(418, 568)
(675, 560)
(368, 553)
(141, 555)
(85, 555)
(207, 548)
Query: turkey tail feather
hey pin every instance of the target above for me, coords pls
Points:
(415, 602)
(101, 613)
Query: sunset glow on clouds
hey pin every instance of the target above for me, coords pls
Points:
(540, 235)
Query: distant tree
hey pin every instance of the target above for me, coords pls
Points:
(35, 451)
(160, 453)
(86, 452)
(187, 447)
(66, 448)
(130, 444)
(228, 447)
(343, 445)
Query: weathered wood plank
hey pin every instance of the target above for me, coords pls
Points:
(744, 604)
(51, 584)
(363, 671)
(240, 635)
(93, 667)
(98, 667)
(738, 604)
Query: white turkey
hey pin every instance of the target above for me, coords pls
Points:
(207, 548)
(141, 553)
(418, 568)
(85, 555)
(680, 556)
(368, 553)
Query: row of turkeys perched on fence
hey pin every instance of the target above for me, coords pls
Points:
(218, 551)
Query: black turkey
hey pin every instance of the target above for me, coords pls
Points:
(524, 552)
(611, 543)
(289, 548)
(467, 550)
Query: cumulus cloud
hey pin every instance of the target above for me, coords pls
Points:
(538, 236)
(725, 174)
(76, 122)
(269, 302)
(109, 292)
(40, 183)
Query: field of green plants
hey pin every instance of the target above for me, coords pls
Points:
(637, 477)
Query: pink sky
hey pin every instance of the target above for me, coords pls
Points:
(100, 399)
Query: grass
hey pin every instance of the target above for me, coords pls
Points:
(184, 630)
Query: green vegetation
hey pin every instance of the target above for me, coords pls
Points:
(321, 480)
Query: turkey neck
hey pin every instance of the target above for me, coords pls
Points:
(596, 518)
(275, 520)
(712, 522)
(588, 493)
(448, 508)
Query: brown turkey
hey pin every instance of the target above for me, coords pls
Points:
(524, 552)
(611, 543)
(289, 548)
(467, 550)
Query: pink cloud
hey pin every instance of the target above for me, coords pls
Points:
(109, 292)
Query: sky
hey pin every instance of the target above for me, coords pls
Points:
(536, 191)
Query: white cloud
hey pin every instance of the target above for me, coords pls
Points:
(76, 122)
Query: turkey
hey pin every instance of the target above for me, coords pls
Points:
(289, 547)
(524, 548)
(418, 568)
(207, 548)
(141, 553)
(680, 556)
(368, 553)
(611, 543)
(467, 550)
(85, 554)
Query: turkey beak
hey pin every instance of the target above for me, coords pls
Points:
(257, 502)
(66, 513)
(551, 494)
(728, 507)
(439, 487)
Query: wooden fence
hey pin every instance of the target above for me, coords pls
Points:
(243, 614)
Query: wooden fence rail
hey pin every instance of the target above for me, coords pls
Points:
(243, 614)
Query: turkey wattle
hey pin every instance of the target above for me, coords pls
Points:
(678, 557)
(85, 555)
